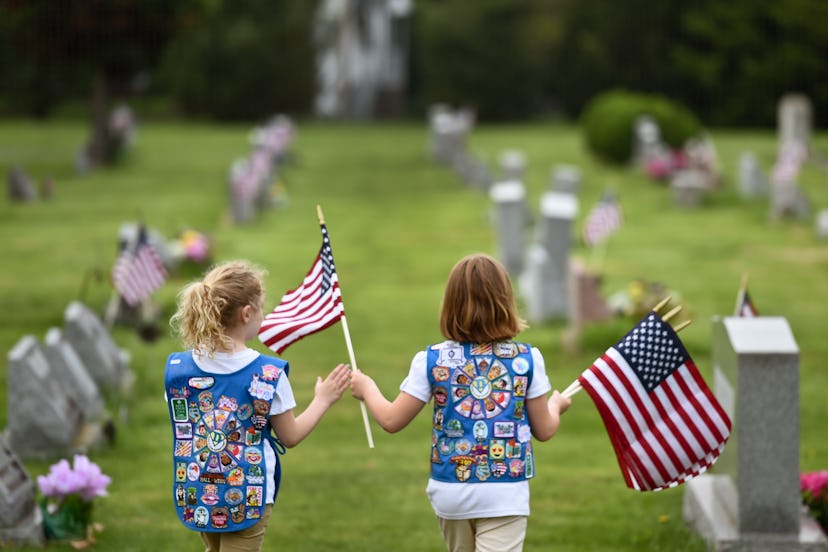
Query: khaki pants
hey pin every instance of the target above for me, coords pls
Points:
(247, 540)
(497, 534)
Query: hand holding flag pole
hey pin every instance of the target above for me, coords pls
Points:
(575, 386)
(313, 306)
(350, 346)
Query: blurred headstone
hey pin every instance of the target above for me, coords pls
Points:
(68, 368)
(822, 224)
(587, 304)
(546, 279)
(752, 181)
(44, 420)
(20, 187)
(647, 143)
(106, 363)
(795, 120)
(513, 165)
(690, 186)
(565, 179)
(21, 521)
(510, 220)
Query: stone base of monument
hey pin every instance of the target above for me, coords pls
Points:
(27, 532)
(711, 509)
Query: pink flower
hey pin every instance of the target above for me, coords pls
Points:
(94, 481)
(85, 479)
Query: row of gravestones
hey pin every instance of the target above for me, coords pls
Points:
(56, 406)
(553, 285)
(253, 180)
(57, 389)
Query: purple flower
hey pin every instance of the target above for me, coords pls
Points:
(94, 481)
(85, 480)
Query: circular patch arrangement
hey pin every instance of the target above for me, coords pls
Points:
(220, 442)
(481, 391)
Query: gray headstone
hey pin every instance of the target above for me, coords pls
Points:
(822, 224)
(68, 368)
(565, 179)
(795, 120)
(752, 502)
(752, 181)
(20, 518)
(104, 361)
(647, 143)
(690, 186)
(20, 187)
(545, 283)
(513, 164)
(587, 304)
(510, 220)
(44, 420)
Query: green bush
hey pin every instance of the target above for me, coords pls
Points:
(608, 121)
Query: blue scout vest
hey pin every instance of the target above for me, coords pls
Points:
(480, 428)
(220, 427)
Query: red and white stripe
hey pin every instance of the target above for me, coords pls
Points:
(137, 275)
(303, 311)
(662, 438)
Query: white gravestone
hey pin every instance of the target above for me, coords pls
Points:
(106, 363)
(565, 179)
(752, 501)
(795, 120)
(752, 181)
(513, 164)
(546, 279)
(510, 220)
(44, 420)
(21, 522)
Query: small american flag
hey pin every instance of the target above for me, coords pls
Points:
(744, 305)
(604, 219)
(138, 271)
(665, 424)
(311, 307)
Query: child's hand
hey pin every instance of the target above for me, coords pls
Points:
(331, 388)
(360, 383)
(559, 402)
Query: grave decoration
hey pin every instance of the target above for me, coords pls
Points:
(814, 489)
(67, 501)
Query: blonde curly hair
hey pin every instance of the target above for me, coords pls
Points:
(207, 308)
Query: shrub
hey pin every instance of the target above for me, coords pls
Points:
(608, 121)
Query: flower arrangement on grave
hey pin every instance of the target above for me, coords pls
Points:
(814, 489)
(68, 497)
(638, 298)
(191, 252)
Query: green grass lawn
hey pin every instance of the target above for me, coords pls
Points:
(398, 222)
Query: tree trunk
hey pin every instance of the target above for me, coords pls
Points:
(97, 150)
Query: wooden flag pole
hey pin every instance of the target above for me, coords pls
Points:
(351, 356)
(740, 293)
(575, 386)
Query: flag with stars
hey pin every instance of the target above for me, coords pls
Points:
(311, 307)
(665, 424)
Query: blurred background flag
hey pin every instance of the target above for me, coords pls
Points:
(311, 307)
(665, 424)
(138, 271)
(604, 219)
(744, 304)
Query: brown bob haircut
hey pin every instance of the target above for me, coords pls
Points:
(479, 304)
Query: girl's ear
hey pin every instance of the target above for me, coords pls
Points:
(244, 314)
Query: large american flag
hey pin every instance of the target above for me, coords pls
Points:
(311, 307)
(138, 271)
(664, 422)
(604, 219)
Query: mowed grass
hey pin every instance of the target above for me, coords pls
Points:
(398, 222)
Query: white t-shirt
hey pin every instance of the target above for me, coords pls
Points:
(283, 400)
(475, 500)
